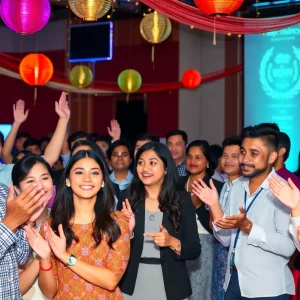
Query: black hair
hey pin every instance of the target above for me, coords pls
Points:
(45, 139)
(63, 209)
(78, 135)
(216, 152)
(23, 134)
(284, 142)
(31, 142)
(148, 136)
(25, 152)
(118, 143)
(93, 147)
(269, 132)
(1, 138)
(169, 202)
(22, 168)
(205, 148)
(232, 141)
(103, 138)
(177, 132)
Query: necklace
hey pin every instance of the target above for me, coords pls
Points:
(152, 216)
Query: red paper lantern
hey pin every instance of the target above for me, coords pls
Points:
(191, 79)
(218, 7)
(36, 69)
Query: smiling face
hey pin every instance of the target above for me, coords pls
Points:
(230, 160)
(196, 162)
(255, 158)
(177, 147)
(150, 169)
(38, 174)
(120, 158)
(85, 178)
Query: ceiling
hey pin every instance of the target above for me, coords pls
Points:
(133, 8)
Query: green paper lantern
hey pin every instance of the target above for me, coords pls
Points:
(129, 81)
(81, 76)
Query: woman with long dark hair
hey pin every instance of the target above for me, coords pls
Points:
(200, 165)
(33, 169)
(89, 242)
(163, 229)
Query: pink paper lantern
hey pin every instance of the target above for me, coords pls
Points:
(25, 16)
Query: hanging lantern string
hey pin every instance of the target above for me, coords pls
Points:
(152, 56)
(35, 96)
(215, 34)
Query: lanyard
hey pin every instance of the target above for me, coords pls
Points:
(247, 209)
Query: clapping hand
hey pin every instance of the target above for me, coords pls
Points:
(233, 222)
(127, 211)
(20, 115)
(288, 194)
(39, 245)
(208, 195)
(57, 243)
(62, 107)
(115, 130)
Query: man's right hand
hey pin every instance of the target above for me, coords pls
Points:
(20, 209)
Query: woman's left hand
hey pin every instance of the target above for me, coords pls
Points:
(40, 210)
(57, 243)
(162, 238)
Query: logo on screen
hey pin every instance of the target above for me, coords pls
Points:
(279, 74)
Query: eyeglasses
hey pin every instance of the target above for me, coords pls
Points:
(120, 154)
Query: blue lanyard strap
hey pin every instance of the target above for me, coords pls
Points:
(247, 209)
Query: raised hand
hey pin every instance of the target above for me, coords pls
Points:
(233, 222)
(288, 194)
(39, 245)
(162, 238)
(57, 243)
(208, 195)
(62, 107)
(127, 211)
(36, 214)
(115, 130)
(20, 115)
(19, 210)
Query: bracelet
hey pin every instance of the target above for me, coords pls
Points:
(50, 268)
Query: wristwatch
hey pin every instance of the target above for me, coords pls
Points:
(71, 260)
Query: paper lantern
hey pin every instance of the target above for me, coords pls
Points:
(81, 76)
(155, 28)
(218, 7)
(129, 81)
(36, 69)
(90, 10)
(191, 79)
(25, 16)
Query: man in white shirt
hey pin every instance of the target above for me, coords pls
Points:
(255, 225)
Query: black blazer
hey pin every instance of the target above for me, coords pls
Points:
(176, 278)
(201, 212)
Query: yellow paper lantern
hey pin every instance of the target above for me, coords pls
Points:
(155, 28)
(129, 81)
(90, 10)
(81, 76)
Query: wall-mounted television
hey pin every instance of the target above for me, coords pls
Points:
(91, 42)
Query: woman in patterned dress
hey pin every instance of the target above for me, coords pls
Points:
(89, 242)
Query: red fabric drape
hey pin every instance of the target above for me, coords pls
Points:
(12, 63)
(192, 16)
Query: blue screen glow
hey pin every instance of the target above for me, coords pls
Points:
(272, 83)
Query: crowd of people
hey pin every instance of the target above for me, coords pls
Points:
(87, 216)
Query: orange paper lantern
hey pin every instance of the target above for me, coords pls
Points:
(36, 69)
(218, 7)
(191, 79)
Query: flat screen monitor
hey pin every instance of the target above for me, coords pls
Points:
(91, 42)
(5, 129)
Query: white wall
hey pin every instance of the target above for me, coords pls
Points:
(201, 111)
(51, 37)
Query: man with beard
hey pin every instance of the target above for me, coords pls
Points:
(255, 224)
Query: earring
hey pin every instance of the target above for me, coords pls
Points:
(68, 183)
(103, 184)
(166, 172)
